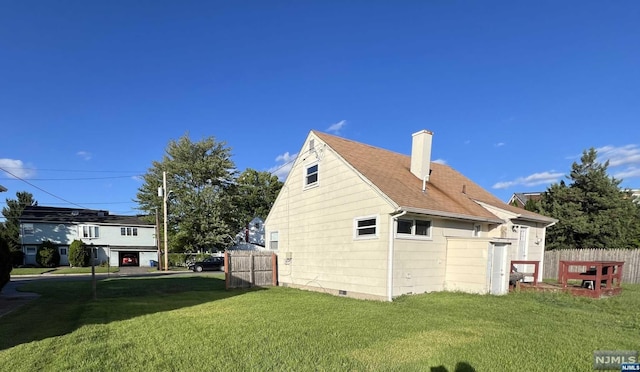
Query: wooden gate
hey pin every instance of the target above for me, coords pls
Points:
(246, 269)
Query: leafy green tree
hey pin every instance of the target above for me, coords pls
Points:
(78, 254)
(592, 210)
(48, 255)
(11, 227)
(257, 191)
(5, 263)
(202, 211)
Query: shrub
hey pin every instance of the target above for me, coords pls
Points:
(48, 255)
(78, 254)
(5, 263)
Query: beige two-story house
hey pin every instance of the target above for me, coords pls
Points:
(364, 222)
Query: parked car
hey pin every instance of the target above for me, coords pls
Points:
(208, 264)
(129, 259)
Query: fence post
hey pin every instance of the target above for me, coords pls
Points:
(274, 269)
(226, 270)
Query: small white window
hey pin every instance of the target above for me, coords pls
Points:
(311, 176)
(366, 227)
(273, 240)
(27, 229)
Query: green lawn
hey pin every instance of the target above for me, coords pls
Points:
(190, 323)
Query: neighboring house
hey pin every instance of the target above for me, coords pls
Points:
(111, 235)
(2, 188)
(361, 221)
(519, 199)
(251, 237)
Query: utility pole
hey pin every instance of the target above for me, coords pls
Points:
(165, 195)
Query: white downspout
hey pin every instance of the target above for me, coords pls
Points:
(390, 255)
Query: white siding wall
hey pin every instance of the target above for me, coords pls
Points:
(419, 264)
(317, 248)
(467, 260)
(108, 235)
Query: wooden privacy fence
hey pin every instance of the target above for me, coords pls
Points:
(246, 269)
(630, 257)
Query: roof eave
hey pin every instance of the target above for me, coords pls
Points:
(457, 216)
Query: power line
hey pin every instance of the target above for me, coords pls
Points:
(43, 190)
(76, 179)
(73, 170)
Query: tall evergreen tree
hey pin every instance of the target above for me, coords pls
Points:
(592, 210)
(11, 227)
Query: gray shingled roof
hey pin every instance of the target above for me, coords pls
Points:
(74, 215)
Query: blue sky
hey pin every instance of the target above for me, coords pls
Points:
(91, 92)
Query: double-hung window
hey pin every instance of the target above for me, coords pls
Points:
(413, 228)
(273, 240)
(311, 175)
(89, 231)
(129, 231)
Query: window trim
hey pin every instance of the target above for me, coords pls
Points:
(306, 174)
(31, 229)
(128, 231)
(376, 227)
(272, 240)
(412, 234)
(93, 231)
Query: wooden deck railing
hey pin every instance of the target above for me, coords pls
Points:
(536, 265)
(602, 275)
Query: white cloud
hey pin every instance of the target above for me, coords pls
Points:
(531, 180)
(282, 170)
(630, 172)
(16, 168)
(619, 156)
(84, 154)
(500, 144)
(335, 128)
(440, 161)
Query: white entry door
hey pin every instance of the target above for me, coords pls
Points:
(523, 243)
(498, 275)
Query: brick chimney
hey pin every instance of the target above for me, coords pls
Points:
(421, 154)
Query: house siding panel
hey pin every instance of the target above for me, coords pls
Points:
(467, 265)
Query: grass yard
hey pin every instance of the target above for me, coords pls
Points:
(185, 323)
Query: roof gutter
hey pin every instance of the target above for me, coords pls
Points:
(392, 220)
(432, 212)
